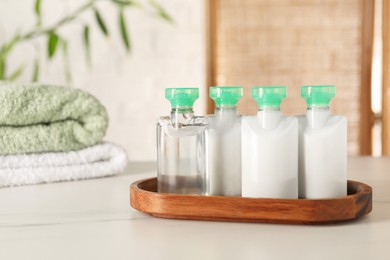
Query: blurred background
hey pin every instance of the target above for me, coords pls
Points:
(200, 43)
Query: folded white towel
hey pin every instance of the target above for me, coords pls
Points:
(92, 162)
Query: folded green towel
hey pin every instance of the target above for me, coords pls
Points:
(41, 118)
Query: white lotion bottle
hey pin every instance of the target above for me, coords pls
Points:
(223, 143)
(269, 148)
(323, 146)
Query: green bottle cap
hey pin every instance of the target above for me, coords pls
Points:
(226, 96)
(318, 95)
(269, 96)
(182, 97)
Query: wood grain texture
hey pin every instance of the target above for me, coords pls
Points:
(366, 115)
(386, 79)
(143, 197)
(211, 42)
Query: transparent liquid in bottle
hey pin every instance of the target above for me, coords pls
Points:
(181, 154)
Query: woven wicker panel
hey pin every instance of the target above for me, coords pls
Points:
(292, 43)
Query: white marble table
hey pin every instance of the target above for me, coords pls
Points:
(93, 220)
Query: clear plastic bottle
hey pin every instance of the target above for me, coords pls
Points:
(181, 145)
(223, 143)
(323, 146)
(269, 148)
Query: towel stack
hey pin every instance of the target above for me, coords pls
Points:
(52, 133)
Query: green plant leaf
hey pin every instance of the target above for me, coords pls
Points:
(7, 47)
(2, 68)
(52, 44)
(127, 3)
(87, 45)
(101, 23)
(37, 9)
(160, 11)
(16, 74)
(123, 30)
(68, 75)
(35, 76)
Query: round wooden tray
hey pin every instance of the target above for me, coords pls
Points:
(144, 197)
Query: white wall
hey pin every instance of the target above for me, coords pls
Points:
(130, 86)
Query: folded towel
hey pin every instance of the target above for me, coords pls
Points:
(41, 118)
(96, 161)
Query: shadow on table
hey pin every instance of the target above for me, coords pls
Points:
(140, 167)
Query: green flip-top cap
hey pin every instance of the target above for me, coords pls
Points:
(269, 96)
(182, 97)
(318, 95)
(226, 96)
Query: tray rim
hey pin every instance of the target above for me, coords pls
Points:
(157, 204)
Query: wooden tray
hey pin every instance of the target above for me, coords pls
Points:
(143, 197)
